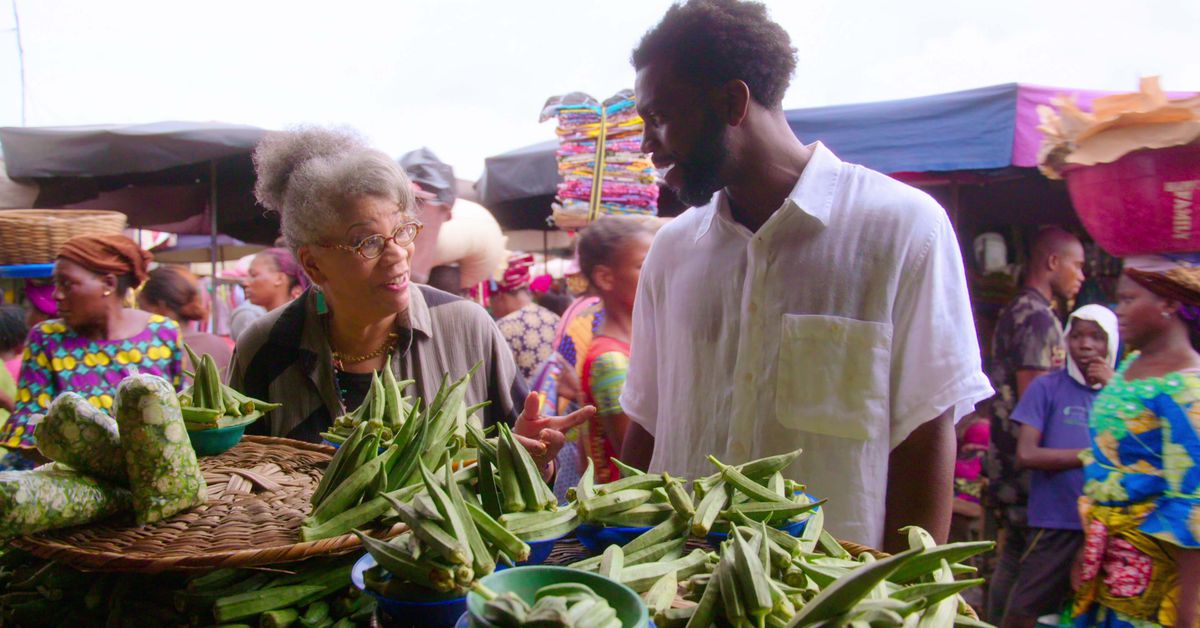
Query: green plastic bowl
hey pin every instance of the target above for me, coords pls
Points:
(525, 582)
(216, 441)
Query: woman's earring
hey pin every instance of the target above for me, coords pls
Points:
(1166, 315)
(107, 292)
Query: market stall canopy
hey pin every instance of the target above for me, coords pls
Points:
(96, 151)
(195, 249)
(984, 129)
(15, 195)
(158, 174)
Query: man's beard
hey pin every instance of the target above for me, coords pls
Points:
(701, 170)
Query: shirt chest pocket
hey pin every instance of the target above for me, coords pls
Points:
(834, 376)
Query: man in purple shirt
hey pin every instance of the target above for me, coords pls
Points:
(1053, 414)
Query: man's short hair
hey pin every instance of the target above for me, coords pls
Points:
(715, 41)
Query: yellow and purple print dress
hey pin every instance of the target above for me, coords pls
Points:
(57, 360)
(1141, 499)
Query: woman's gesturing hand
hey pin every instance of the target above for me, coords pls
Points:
(543, 436)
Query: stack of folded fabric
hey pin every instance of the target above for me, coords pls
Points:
(627, 182)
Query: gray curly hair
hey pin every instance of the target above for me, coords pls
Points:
(310, 174)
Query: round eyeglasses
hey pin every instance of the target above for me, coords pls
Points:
(372, 246)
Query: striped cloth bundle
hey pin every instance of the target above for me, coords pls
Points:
(604, 137)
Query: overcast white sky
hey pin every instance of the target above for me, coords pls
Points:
(468, 77)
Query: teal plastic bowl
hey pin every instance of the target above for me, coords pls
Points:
(216, 441)
(525, 582)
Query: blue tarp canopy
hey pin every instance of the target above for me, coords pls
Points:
(967, 130)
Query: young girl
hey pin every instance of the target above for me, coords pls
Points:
(611, 251)
(1140, 564)
(1053, 417)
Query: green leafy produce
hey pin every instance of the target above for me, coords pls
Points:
(209, 404)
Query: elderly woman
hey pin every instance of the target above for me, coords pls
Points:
(347, 212)
(96, 342)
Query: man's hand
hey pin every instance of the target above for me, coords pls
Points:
(543, 436)
(921, 483)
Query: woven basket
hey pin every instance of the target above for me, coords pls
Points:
(34, 236)
(258, 494)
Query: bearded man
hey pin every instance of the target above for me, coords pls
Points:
(803, 302)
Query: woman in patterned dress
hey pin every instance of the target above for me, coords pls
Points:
(528, 327)
(1140, 565)
(96, 341)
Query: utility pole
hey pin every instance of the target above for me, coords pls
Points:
(20, 58)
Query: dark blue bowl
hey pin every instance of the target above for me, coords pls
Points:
(419, 613)
(339, 445)
(539, 551)
(794, 528)
(595, 538)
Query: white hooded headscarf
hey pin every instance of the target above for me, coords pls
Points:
(1107, 321)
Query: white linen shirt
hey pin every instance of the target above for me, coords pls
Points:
(839, 327)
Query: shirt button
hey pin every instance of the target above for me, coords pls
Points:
(748, 378)
(753, 307)
(739, 453)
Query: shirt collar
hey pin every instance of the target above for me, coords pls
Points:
(418, 311)
(813, 194)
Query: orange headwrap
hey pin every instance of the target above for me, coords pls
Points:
(1170, 278)
(110, 253)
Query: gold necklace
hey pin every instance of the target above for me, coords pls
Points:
(340, 361)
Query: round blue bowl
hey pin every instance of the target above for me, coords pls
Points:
(419, 613)
(794, 528)
(339, 445)
(539, 551)
(595, 538)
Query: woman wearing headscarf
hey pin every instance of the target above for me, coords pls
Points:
(528, 327)
(96, 341)
(275, 279)
(348, 213)
(1140, 564)
(1053, 419)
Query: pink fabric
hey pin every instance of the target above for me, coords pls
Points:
(542, 284)
(41, 295)
(1127, 570)
(1027, 138)
(14, 367)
